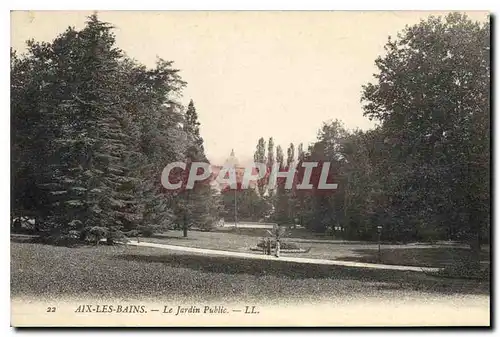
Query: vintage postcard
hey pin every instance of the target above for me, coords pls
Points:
(250, 168)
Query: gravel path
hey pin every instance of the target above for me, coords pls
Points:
(283, 258)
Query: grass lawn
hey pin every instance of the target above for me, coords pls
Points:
(295, 233)
(233, 241)
(141, 273)
(409, 255)
(422, 257)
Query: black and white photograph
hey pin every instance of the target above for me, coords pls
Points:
(250, 168)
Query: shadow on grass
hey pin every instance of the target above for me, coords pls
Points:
(391, 279)
(53, 241)
(43, 240)
(329, 241)
(24, 238)
(420, 257)
(252, 232)
(47, 240)
(168, 237)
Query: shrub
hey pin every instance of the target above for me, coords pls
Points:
(147, 232)
(95, 234)
(283, 245)
(70, 239)
(132, 233)
(113, 236)
(207, 226)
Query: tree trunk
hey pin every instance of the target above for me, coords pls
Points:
(475, 250)
(37, 225)
(475, 240)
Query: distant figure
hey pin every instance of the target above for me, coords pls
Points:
(268, 246)
(264, 246)
(278, 248)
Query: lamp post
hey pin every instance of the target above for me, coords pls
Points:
(379, 231)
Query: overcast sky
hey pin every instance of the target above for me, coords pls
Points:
(252, 74)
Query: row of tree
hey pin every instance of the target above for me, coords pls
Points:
(93, 129)
(424, 172)
(91, 133)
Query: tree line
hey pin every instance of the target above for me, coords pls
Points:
(92, 130)
(423, 173)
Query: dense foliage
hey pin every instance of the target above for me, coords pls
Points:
(92, 132)
(423, 173)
